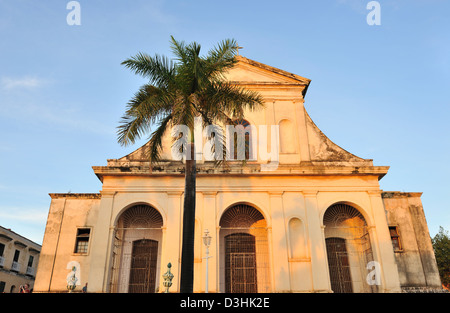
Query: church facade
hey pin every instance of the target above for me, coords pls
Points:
(318, 221)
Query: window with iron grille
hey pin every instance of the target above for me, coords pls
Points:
(82, 240)
(247, 144)
(395, 237)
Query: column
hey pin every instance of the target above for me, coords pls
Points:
(385, 253)
(280, 257)
(101, 244)
(316, 241)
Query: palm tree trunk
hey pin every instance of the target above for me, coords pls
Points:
(187, 253)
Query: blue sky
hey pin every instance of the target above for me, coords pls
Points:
(380, 92)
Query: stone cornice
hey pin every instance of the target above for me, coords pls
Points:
(249, 170)
(75, 195)
(399, 194)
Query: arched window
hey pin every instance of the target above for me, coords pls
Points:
(242, 141)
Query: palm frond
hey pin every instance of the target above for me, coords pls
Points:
(155, 141)
(142, 110)
(222, 58)
(158, 69)
(231, 100)
(178, 49)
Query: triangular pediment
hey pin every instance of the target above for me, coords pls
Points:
(249, 71)
(284, 93)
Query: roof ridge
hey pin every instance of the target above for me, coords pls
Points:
(273, 69)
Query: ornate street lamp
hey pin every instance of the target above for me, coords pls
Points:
(206, 242)
(72, 281)
(167, 276)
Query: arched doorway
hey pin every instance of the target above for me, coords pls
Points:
(136, 251)
(348, 249)
(244, 251)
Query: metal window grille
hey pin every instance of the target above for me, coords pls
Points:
(82, 240)
(82, 246)
(143, 266)
(240, 263)
(339, 265)
(395, 237)
(247, 144)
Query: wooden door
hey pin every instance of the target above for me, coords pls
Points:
(143, 266)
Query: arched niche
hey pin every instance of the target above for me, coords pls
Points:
(297, 240)
(287, 136)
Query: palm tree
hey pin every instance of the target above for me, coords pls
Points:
(178, 91)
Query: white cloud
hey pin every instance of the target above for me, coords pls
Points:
(23, 215)
(9, 83)
(32, 109)
(27, 222)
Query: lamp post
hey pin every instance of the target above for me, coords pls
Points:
(72, 281)
(206, 242)
(168, 276)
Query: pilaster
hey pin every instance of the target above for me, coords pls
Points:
(101, 244)
(320, 277)
(209, 223)
(302, 131)
(172, 239)
(385, 252)
(280, 264)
